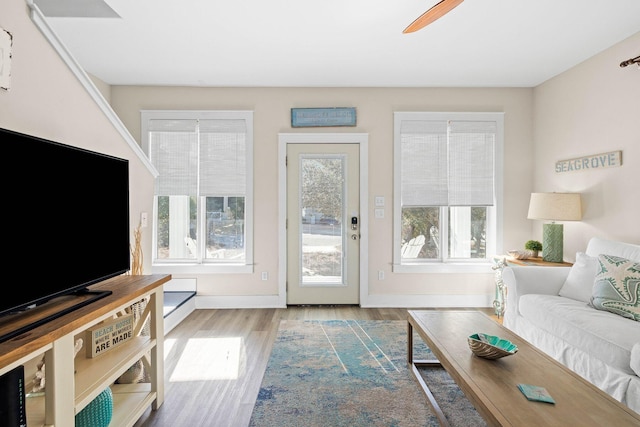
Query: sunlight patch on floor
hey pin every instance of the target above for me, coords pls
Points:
(206, 359)
(168, 346)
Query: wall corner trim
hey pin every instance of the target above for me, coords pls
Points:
(38, 18)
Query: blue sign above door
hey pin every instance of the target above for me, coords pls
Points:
(319, 117)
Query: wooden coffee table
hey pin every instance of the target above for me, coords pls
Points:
(491, 385)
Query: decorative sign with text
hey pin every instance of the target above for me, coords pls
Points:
(318, 117)
(596, 161)
(108, 335)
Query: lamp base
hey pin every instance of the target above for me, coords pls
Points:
(552, 237)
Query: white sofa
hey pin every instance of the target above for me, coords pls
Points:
(554, 308)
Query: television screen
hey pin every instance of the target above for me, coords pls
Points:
(66, 223)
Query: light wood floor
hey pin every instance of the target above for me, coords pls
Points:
(215, 360)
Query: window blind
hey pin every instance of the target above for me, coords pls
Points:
(223, 157)
(199, 157)
(173, 151)
(424, 163)
(447, 163)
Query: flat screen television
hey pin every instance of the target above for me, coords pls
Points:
(66, 223)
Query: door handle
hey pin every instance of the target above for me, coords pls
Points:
(354, 237)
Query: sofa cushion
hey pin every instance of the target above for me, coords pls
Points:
(635, 358)
(579, 282)
(599, 246)
(617, 286)
(602, 334)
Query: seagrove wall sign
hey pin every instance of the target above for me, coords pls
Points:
(595, 161)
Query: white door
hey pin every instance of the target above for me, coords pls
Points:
(323, 224)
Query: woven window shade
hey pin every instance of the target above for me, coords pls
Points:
(447, 163)
(223, 157)
(424, 163)
(471, 168)
(199, 157)
(173, 150)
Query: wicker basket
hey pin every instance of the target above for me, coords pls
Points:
(490, 347)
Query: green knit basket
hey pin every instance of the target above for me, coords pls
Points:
(98, 412)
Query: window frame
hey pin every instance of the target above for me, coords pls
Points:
(494, 214)
(201, 264)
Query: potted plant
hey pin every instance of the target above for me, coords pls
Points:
(534, 246)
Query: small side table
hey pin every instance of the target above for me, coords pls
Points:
(500, 303)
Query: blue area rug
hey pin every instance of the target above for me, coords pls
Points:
(352, 373)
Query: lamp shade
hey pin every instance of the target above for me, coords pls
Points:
(555, 206)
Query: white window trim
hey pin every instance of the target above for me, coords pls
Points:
(189, 266)
(494, 225)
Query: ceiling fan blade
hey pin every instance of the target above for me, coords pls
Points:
(437, 11)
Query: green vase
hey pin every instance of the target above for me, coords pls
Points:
(552, 237)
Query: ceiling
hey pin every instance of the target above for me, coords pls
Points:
(336, 43)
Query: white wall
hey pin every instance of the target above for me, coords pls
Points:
(46, 100)
(375, 107)
(590, 109)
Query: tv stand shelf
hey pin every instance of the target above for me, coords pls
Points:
(88, 377)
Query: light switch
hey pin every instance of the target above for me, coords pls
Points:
(379, 213)
(379, 200)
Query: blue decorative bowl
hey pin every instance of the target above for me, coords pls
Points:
(490, 346)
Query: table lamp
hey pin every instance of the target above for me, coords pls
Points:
(554, 207)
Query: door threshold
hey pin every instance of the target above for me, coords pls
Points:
(323, 305)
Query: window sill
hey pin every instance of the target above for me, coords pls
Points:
(450, 267)
(202, 269)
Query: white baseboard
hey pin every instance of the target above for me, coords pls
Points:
(259, 301)
(428, 301)
(372, 301)
(180, 285)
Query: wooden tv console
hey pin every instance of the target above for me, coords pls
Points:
(88, 377)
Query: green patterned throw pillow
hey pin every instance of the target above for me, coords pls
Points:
(617, 286)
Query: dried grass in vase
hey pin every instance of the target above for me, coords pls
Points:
(136, 252)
